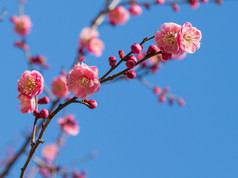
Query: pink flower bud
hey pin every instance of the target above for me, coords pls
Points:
(175, 7)
(133, 58)
(162, 98)
(157, 90)
(160, 2)
(220, 2)
(36, 113)
(181, 102)
(144, 64)
(166, 56)
(135, 10)
(171, 101)
(112, 61)
(130, 74)
(82, 58)
(152, 50)
(147, 5)
(92, 104)
(44, 113)
(130, 63)
(121, 54)
(205, 1)
(21, 45)
(136, 48)
(44, 100)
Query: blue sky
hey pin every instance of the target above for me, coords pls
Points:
(136, 135)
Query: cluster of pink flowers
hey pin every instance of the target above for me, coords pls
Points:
(83, 80)
(89, 40)
(175, 39)
(59, 86)
(68, 125)
(23, 24)
(31, 84)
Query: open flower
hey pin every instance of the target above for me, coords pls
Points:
(86, 35)
(166, 38)
(31, 83)
(22, 24)
(189, 38)
(59, 87)
(118, 16)
(27, 104)
(49, 152)
(96, 47)
(68, 125)
(83, 80)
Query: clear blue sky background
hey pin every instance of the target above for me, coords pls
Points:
(136, 135)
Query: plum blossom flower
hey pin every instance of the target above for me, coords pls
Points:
(89, 40)
(189, 38)
(86, 35)
(166, 38)
(119, 15)
(68, 125)
(135, 10)
(31, 83)
(59, 87)
(23, 24)
(49, 152)
(96, 47)
(27, 104)
(83, 80)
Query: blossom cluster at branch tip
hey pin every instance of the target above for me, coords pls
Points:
(83, 80)
(22, 24)
(89, 40)
(69, 125)
(175, 39)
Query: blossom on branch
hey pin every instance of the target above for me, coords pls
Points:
(59, 87)
(27, 104)
(31, 83)
(68, 125)
(83, 80)
(118, 16)
(23, 24)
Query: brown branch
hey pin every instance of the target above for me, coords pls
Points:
(123, 59)
(24, 146)
(122, 72)
(44, 126)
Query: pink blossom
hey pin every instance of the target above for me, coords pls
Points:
(22, 24)
(118, 16)
(49, 152)
(86, 35)
(68, 125)
(59, 87)
(194, 4)
(83, 80)
(166, 38)
(189, 38)
(175, 6)
(21, 45)
(31, 83)
(135, 10)
(96, 47)
(27, 104)
(160, 1)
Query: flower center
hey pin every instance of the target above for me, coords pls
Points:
(83, 82)
(170, 38)
(187, 38)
